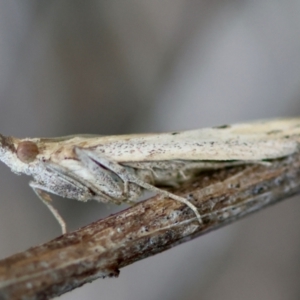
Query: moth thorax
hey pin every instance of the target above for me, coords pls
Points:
(27, 151)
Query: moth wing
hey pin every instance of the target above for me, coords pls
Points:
(248, 141)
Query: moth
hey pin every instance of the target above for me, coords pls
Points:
(118, 168)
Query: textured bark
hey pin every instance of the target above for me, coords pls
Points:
(147, 228)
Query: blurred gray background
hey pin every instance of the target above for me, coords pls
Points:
(113, 67)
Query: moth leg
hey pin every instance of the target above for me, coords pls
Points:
(92, 162)
(46, 199)
(164, 193)
(109, 176)
(128, 176)
(81, 183)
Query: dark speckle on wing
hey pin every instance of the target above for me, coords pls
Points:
(222, 126)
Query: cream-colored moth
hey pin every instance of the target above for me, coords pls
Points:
(119, 168)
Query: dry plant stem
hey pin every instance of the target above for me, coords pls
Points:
(150, 227)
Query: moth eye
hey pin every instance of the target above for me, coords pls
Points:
(27, 151)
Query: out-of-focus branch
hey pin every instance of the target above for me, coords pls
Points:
(102, 248)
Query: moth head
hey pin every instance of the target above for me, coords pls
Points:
(27, 151)
(17, 154)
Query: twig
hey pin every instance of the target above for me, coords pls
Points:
(147, 228)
